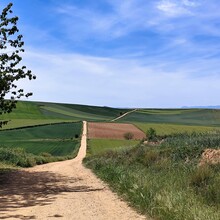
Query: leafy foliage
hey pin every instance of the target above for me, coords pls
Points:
(151, 134)
(128, 135)
(11, 45)
(184, 146)
(56, 139)
(18, 157)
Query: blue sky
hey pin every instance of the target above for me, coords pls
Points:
(128, 53)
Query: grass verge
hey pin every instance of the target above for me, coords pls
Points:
(18, 157)
(165, 181)
(98, 146)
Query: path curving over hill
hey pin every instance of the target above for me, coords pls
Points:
(123, 115)
(61, 190)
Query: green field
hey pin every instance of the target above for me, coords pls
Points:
(162, 180)
(167, 129)
(53, 147)
(97, 146)
(56, 139)
(199, 117)
(34, 113)
(21, 123)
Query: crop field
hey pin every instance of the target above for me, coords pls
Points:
(22, 123)
(34, 113)
(113, 131)
(53, 147)
(199, 117)
(167, 129)
(56, 139)
(97, 146)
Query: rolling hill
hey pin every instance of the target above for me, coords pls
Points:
(198, 117)
(36, 113)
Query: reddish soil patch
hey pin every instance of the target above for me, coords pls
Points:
(113, 130)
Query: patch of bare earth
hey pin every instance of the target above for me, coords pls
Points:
(62, 190)
(113, 130)
(210, 156)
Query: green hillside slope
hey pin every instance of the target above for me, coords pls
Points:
(36, 113)
(200, 117)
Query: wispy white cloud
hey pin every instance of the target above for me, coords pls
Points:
(155, 53)
(191, 3)
(76, 78)
(174, 8)
(170, 19)
(124, 18)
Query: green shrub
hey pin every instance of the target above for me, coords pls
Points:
(45, 154)
(128, 135)
(184, 146)
(151, 134)
(19, 157)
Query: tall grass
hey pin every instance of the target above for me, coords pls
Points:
(97, 146)
(191, 146)
(165, 181)
(18, 157)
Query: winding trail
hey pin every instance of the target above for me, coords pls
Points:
(61, 190)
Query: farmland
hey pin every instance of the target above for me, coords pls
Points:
(167, 129)
(56, 139)
(98, 146)
(35, 113)
(113, 131)
(195, 117)
(47, 128)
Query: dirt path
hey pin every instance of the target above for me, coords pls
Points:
(121, 116)
(61, 190)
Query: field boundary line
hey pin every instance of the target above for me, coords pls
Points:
(39, 125)
(126, 113)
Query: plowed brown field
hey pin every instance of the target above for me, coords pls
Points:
(113, 130)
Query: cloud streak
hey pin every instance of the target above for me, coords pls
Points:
(155, 53)
(171, 23)
(176, 8)
(74, 78)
